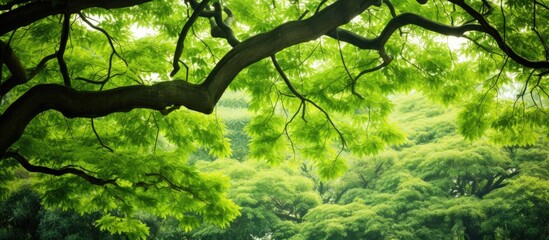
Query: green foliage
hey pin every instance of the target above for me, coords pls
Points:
(476, 116)
(273, 201)
(432, 189)
(444, 188)
(522, 205)
(135, 228)
(268, 142)
(379, 152)
(19, 213)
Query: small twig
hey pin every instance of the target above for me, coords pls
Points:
(304, 100)
(386, 61)
(109, 38)
(101, 82)
(157, 132)
(175, 186)
(353, 80)
(99, 138)
(535, 29)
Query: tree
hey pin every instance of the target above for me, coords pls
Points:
(272, 201)
(320, 75)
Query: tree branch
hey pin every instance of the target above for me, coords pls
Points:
(14, 81)
(58, 172)
(109, 38)
(225, 31)
(181, 40)
(36, 10)
(490, 30)
(305, 100)
(8, 57)
(286, 35)
(62, 46)
(394, 24)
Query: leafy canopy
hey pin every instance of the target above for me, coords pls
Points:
(106, 98)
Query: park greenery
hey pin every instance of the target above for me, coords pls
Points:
(344, 119)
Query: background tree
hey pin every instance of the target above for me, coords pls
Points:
(443, 188)
(96, 107)
(419, 190)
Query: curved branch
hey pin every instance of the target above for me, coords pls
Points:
(394, 24)
(58, 172)
(109, 38)
(99, 138)
(14, 81)
(32, 12)
(8, 57)
(62, 46)
(490, 30)
(224, 30)
(386, 60)
(181, 40)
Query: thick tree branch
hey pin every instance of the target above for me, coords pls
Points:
(161, 96)
(58, 172)
(32, 12)
(73, 103)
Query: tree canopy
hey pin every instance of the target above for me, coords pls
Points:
(112, 102)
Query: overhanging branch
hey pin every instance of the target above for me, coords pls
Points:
(58, 172)
(494, 33)
(394, 24)
(32, 12)
(291, 33)
(73, 103)
(183, 34)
